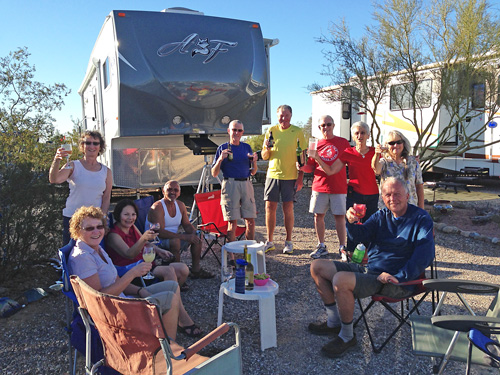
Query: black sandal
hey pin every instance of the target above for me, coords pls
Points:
(190, 330)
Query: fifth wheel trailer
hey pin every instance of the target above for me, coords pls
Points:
(162, 88)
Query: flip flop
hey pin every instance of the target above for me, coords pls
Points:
(190, 330)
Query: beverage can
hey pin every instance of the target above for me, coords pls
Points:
(359, 253)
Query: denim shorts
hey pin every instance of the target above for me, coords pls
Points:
(367, 284)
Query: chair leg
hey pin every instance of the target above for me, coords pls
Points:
(210, 248)
(221, 305)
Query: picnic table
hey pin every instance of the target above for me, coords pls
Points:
(448, 184)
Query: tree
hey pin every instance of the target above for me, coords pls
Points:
(441, 54)
(29, 206)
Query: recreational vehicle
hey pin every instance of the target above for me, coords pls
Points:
(394, 113)
(162, 88)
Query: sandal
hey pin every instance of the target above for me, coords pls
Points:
(184, 287)
(201, 274)
(191, 331)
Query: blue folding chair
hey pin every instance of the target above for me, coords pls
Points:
(74, 323)
(485, 344)
(143, 204)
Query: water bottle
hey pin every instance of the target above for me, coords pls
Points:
(239, 280)
(359, 253)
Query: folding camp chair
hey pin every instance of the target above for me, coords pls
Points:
(439, 336)
(143, 204)
(419, 292)
(213, 225)
(74, 324)
(134, 338)
(483, 343)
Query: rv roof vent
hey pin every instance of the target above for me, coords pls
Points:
(182, 10)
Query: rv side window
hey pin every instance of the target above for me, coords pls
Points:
(402, 95)
(478, 99)
(105, 72)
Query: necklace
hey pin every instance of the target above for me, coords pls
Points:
(359, 150)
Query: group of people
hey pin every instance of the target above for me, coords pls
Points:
(396, 230)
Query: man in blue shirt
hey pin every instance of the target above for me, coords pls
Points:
(401, 248)
(237, 162)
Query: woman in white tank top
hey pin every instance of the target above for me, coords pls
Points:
(90, 182)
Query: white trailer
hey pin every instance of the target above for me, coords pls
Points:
(162, 88)
(392, 114)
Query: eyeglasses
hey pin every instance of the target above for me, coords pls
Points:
(325, 125)
(398, 142)
(88, 143)
(237, 130)
(90, 229)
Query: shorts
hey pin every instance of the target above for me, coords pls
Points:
(275, 188)
(162, 294)
(237, 200)
(367, 284)
(320, 202)
(165, 244)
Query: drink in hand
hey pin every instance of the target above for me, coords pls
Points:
(69, 150)
(148, 254)
(360, 209)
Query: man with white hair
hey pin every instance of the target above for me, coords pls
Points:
(401, 248)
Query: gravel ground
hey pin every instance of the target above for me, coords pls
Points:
(34, 342)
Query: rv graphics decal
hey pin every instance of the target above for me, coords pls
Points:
(199, 47)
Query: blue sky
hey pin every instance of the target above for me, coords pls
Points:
(60, 36)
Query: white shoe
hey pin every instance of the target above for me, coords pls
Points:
(288, 249)
(269, 247)
(319, 252)
(343, 253)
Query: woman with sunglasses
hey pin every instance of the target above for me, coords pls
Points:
(396, 161)
(90, 182)
(91, 263)
(362, 187)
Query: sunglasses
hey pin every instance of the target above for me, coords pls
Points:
(90, 229)
(237, 130)
(392, 143)
(325, 125)
(88, 143)
(174, 190)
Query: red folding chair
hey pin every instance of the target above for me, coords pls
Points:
(213, 225)
(420, 292)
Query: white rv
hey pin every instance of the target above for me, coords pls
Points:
(338, 102)
(162, 88)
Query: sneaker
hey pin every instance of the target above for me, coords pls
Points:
(269, 246)
(337, 347)
(343, 253)
(322, 329)
(319, 252)
(288, 249)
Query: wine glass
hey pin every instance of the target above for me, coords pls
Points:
(148, 254)
(155, 227)
(227, 272)
(69, 149)
(360, 209)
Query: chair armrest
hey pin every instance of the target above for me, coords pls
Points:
(464, 323)
(122, 270)
(461, 286)
(201, 226)
(411, 282)
(205, 340)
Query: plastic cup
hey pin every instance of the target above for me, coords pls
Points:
(313, 143)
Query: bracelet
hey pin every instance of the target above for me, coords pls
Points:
(139, 291)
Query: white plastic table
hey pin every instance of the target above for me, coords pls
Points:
(254, 248)
(267, 310)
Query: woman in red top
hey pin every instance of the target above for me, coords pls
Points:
(362, 186)
(124, 244)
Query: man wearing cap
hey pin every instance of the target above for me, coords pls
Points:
(237, 162)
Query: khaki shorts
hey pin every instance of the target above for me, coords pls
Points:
(237, 200)
(162, 294)
(320, 202)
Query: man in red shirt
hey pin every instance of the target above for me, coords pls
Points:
(328, 191)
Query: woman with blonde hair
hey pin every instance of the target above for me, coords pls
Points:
(89, 261)
(394, 159)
